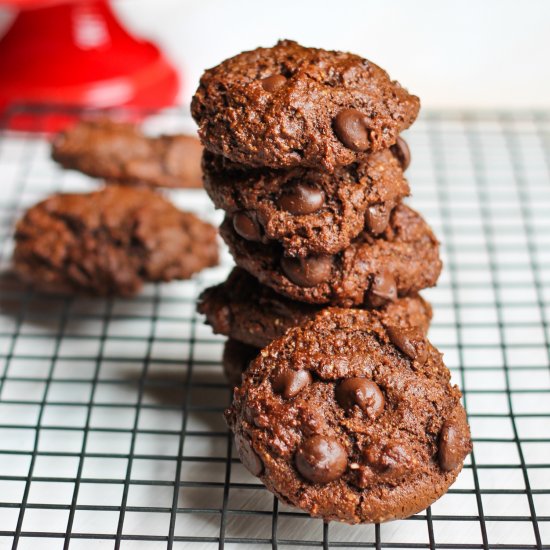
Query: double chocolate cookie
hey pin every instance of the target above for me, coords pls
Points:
(289, 106)
(120, 153)
(308, 211)
(403, 260)
(110, 242)
(351, 419)
(254, 314)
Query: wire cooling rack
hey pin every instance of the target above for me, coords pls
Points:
(111, 432)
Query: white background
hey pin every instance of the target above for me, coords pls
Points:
(472, 53)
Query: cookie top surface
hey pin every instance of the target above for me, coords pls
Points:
(290, 106)
(308, 211)
(403, 260)
(120, 153)
(350, 419)
(110, 241)
(250, 312)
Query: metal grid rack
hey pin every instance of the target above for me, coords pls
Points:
(111, 433)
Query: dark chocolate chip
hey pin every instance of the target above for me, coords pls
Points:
(273, 83)
(246, 226)
(452, 447)
(378, 218)
(410, 341)
(350, 126)
(382, 289)
(289, 383)
(251, 461)
(301, 199)
(361, 392)
(307, 272)
(402, 153)
(321, 459)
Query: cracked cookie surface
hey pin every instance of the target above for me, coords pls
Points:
(402, 260)
(351, 418)
(110, 242)
(120, 153)
(308, 211)
(289, 105)
(254, 314)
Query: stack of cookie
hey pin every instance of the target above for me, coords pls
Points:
(302, 152)
(342, 406)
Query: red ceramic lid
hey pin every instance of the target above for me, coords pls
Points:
(78, 54)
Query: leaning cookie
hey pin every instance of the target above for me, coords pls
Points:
(120, 153)
(110, 242)
(350, 419)
(254, 314)
(289, 105)
(403, 260)
(307, 211)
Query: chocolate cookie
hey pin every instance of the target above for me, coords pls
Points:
(350, 419)
(110, 242)
(403, 260)
(294, 106)
(236, 358)
(308, 211)
(120, 153)
(250, 312)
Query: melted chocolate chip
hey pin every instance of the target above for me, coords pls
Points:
(321, 459)
(289, 383)
(410, 341)
(402, 153)
(382, 290)
(251, 461)
(350, 126)
(273, 83)
(452, 447)
(247, 227)
(361, 392)
(377, 218)
(307, 272)
(301, 199)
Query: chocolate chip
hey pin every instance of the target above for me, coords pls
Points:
(321, 459)
(350, 126)
(246, 226)
(301, 199)
(361, 392)
(289, 383)
(251, 461)
(307, 272)
(382, 289)
(452, 447)
(377, 218)
(273, 83)
(402, 153)
(410, 341)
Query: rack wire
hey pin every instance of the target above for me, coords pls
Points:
(111, 432)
